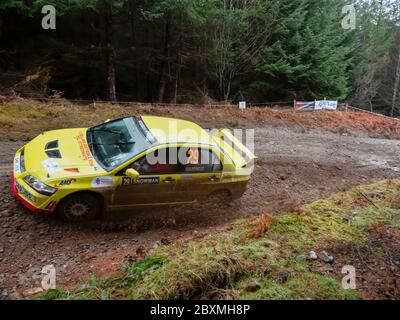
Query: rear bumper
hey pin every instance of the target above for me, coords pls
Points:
(29, 206)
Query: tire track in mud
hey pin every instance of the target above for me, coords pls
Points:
(295, 167)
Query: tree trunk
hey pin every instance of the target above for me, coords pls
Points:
(110, 55)
(1, 27)
(164, 64)
(132, 5)
(178, 60)
(396, 86)
(227, 85)
(163, 83)
(176, 82)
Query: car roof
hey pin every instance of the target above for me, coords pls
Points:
(170, 130)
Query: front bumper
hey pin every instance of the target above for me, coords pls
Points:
(28, 205)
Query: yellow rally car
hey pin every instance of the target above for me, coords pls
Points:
(126, 163)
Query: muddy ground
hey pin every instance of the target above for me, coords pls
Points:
(296, 166)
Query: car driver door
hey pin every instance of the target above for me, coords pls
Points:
(201, 173)
(156, 184)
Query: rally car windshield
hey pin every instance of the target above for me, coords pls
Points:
(116, 142)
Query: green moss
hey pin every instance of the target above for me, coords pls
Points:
(54, 294)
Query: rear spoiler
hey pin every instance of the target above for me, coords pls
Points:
(239, 153)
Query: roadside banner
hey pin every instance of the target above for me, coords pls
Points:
(326, 105)
(315, 105)
(304, 105)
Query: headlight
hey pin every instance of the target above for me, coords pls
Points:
(39, 186)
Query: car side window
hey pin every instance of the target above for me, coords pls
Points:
(178, 160)
(199, 160)
(156, 162)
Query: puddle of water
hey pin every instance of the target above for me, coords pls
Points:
(381, 163)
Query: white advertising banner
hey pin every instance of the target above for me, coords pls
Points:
(326, 105)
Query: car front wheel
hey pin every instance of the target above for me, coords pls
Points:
(79, 207)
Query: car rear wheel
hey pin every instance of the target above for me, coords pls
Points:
(79, 207)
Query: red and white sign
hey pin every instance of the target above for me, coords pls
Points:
(304, 105)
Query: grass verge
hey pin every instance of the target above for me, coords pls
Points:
(260, 258)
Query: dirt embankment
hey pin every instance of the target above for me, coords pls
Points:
(23, 119)
(297, 165)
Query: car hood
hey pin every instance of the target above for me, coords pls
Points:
(60, 153)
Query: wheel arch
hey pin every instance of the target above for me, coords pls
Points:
(98, 195)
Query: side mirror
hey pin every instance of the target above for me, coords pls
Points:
(132, 173)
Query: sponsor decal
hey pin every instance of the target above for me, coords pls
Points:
(51, 166)
(65, 182)
(126, 181)
(84, 148)
(103, 182)
(17, 165)
(51, 205)
(72, 170)
(195, 169)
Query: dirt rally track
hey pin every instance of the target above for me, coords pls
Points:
(296, 166)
